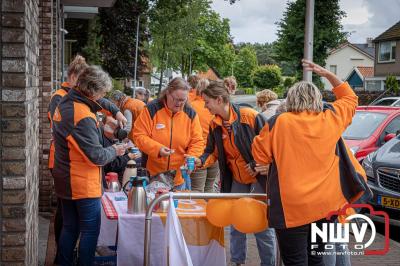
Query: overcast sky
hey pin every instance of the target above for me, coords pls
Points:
(254, 20)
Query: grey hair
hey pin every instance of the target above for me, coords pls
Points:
(304, 96)
(117, 96)
(202, 84)
(281, 108)
(93, 81)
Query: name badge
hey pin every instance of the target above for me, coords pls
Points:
(160, 126)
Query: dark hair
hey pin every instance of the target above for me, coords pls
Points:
(175, 84)
(216, 89)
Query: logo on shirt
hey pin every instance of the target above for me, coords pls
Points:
(224, 136)
(160, 126)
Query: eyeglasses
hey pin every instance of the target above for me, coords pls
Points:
(177, 100)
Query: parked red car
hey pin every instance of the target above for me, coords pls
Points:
(372, 127)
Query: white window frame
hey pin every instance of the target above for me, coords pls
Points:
(392, 44)
(382, 83)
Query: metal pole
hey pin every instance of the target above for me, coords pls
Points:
(62, 45)
(190, 63)
(308, 37)
(149, 212)
(136, 55)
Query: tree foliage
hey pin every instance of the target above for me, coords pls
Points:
(328, 31)
(267, 76)
(92, 51)
(392, 84)
(243, 67)
(264, 51)
(288, 82)
(118, 29)
(188, 35)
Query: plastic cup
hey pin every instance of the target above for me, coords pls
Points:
(190, 163)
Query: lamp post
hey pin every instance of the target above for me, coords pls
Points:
(136, 55)
(308, 37)
(233, 63)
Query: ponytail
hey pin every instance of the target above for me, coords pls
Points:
(77, 66)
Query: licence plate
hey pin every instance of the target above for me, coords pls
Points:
(389, 202)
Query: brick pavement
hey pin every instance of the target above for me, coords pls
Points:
(390, 259)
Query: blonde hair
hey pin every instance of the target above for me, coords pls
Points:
(265, 96)
(175, 84)
(230, 82)
(304, 96)
(202, 85)
(93, 81)
(77, 66)
(217, 89)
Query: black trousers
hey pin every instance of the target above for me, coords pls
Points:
(295, 246)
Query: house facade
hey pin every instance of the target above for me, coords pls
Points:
(357, 77)
(346, 57)
(387, 58)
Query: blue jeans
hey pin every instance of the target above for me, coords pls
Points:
(266, 241)
(181, 187)
(265, 244)
(338, 259)
(80, 217)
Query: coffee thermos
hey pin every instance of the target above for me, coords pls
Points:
(130, 171)
(137, 199)
(112, 182)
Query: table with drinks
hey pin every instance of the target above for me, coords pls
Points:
(123, 222)
(126, 231)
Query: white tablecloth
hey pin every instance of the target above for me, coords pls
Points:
(130, 246)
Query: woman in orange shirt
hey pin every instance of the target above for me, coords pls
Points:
(229, 141)
(168, 129)
(312, 172)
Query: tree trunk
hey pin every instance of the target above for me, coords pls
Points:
(162, 65)
(183, 66)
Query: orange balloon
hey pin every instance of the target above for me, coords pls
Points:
(218, 212)
(249, 215)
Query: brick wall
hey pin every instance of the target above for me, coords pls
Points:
(19, 132)
(47, 74)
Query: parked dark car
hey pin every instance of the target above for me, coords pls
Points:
(383, 172)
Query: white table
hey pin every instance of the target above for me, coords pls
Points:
(205, 242)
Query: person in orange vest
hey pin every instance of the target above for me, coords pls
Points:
(130, 107)
(74, 69)
(312, 172)
(203, 179)
(167, 130)
(193, 80)
(79, 157)
(229, 141)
